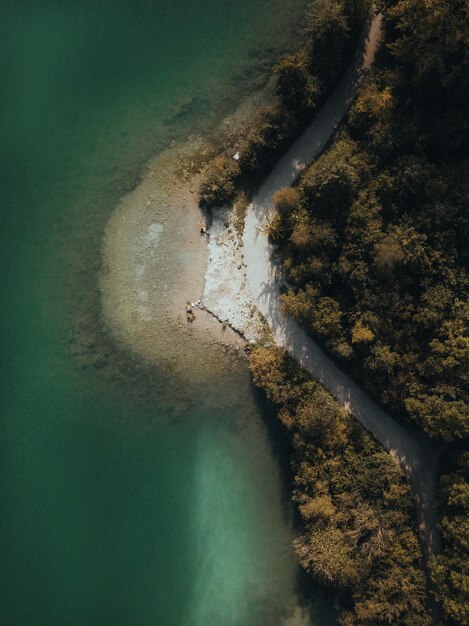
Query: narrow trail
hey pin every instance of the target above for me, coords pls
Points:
(416, 453)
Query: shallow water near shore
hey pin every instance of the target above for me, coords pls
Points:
(130, 494)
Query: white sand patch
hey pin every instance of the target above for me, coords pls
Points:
(227, 294)
(153, 234)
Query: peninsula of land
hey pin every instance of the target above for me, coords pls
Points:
(360, 267)
(329, 245)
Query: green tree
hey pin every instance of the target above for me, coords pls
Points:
(329, 183)
(330, 31)
(296, 86)
(388, 253)
(450, 569)
(361, 333)
(218, 184)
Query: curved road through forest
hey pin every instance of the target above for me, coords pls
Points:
(416, 453)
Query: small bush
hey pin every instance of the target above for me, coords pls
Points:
(218, 186)
(287, 200)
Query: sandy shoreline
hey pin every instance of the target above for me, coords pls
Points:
(155, 261)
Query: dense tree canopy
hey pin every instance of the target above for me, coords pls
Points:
(358, 534)
(450, 570)
(377, 242)
(374, 240)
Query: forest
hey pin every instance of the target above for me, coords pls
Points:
(358, 533)
(373, 244)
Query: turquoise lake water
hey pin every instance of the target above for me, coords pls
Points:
(124, 502)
